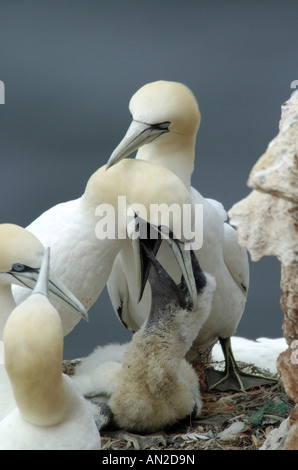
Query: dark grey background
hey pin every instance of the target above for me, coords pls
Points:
(70, 68)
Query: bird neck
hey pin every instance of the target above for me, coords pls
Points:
(176, 153)
(159, 343)
(7, 305)
(42, 404)
(152, 358)
(33, 341)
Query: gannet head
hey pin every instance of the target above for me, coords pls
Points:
(161, 108)
(21, 255)
(155, 193)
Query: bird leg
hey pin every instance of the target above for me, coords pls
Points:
(232, 378)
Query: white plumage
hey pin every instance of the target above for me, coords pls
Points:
(51, 413)
(165, 122)
(21, 255)
(79, 258)
(97, 373)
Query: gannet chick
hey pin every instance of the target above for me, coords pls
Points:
(166, 119)
(51, 413)
(80, 256)
(156, 385)
(96, 375)
(21, 255)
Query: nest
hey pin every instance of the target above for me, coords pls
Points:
(229, 421)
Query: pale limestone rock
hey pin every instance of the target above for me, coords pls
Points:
(267, 225)
(291, 442)
(276, 172)
(288, 372)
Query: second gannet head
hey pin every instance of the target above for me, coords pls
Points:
(152, 191)
(168, 103)
(21, 255)
(166, 115)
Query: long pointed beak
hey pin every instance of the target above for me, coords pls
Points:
(60, 291)
(142, 263)
(137, 135)
(160, 281)
(183, 258)
(42, 284)
(56, 289)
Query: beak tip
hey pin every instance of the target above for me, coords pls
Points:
(82, 312)
(111, 162)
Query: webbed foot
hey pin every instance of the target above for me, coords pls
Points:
(232, 378)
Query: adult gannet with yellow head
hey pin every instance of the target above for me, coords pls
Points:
(21, 255)
(165, 121)
(51, 413)
(86, 234)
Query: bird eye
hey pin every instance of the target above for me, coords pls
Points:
(161, 125)
(18, 267)
(164, 125)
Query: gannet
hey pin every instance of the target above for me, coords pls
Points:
(151, 385)
(79, 256)
(51, 413)
(21, 255)
(165, 121)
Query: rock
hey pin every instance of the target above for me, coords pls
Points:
(276, 172)
(291, 442)
(289, 374)
(267, 225)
